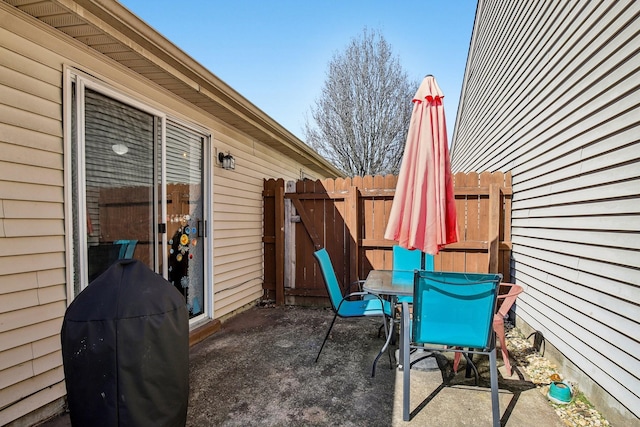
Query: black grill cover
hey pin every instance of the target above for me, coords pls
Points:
(125, 348)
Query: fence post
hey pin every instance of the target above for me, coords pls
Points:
(351, 204)
(280, 243)
(290, 238)
(494, 227)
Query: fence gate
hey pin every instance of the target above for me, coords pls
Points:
(348, 217)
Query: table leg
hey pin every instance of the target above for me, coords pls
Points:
(389, 335)
(384, 348)
(401, 349)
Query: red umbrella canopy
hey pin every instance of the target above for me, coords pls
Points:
(423, 213)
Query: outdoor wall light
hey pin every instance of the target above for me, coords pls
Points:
(227, 161)
(120, 149)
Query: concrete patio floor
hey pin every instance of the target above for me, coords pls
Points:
(259, 370)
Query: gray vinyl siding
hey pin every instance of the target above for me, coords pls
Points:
(551, 94)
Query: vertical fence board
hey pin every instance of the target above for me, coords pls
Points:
(352, 231)
(368, 254)
(379, 220)
(477, 205)
(505, 266)
(334, 210)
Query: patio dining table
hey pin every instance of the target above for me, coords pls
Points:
(390, 285)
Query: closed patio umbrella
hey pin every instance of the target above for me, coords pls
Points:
(423, 213)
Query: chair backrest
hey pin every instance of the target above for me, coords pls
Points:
(454, 309)
(127, 249)
(409, 260)
(406, 259)
(330, 278)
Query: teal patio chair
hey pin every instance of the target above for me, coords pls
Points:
(451, 311)
(346, 306)
(405, 262)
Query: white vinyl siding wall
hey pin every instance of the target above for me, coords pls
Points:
(237, 218)
(551, 93)
(33, 296)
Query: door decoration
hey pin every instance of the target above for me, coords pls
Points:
(184, 238)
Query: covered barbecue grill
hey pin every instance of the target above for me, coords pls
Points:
(125, 348)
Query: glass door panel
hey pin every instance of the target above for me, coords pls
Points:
(185, 215)
(119, 182)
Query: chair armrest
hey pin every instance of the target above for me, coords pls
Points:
(352, 294)
(355, 294)
(358, 290)
(358, 283)
(385, 305)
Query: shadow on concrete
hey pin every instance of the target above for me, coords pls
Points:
(259, 370)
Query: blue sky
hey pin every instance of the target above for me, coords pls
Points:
(275, 53)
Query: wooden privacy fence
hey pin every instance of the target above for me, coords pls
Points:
(348, 217)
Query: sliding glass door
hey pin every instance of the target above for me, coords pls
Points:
(138, 192)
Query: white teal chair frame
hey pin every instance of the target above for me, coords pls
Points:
(451, 311)
(345, 306)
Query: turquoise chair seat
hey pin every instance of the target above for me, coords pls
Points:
(365, 307)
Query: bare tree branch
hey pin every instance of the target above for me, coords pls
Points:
(361, 119)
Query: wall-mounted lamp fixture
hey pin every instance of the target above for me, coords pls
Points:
(227, 161)
(120, 149)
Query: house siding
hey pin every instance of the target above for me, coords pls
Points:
(32, 240)
(33, 288)
(551, 94)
